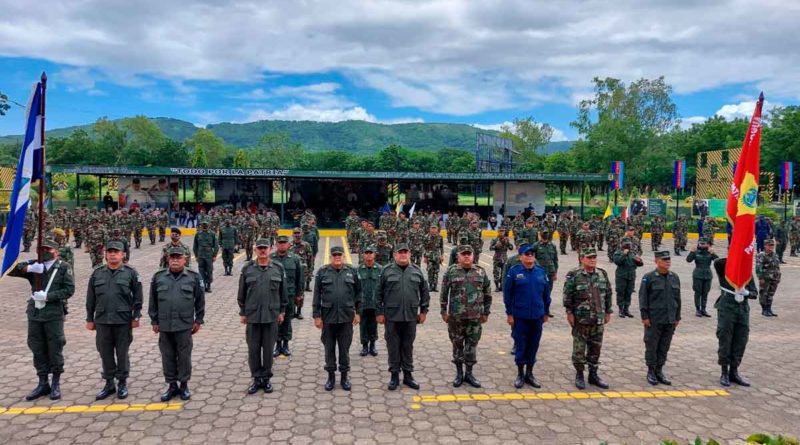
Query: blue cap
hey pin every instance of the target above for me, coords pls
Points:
(524, 248)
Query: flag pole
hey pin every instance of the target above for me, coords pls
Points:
(41, 184)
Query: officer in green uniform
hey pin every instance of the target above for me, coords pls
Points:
(336, 308)
(176, 308)
(781, 239)
(465, 300)
(113, 308)
(546, 256)
(46, 316)
(368, 273)
(403, 301)
(206, 249)
(627, 260)
(295, 284)
(262, 307)
(660, 307)
(703, 256)
(733, 326)
(228, 236)
(768, 270)
(587, 299)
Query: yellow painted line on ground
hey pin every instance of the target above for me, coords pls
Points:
(77, 409)
(327, 250)
(346, 250)
(577, 395)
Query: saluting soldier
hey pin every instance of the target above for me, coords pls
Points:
(46, 314)
(587, 299)
(113, 309)
(206, 249)
(660, 307)
(293, 268)
(177, 307)
(403, 301)
(368, 273)
(465, 300)
(703, 256)
(627, 260)
(336, 308)
(262, 302)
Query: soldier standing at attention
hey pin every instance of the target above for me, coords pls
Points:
(500, 246)
(113, 309)
(526, 294)
(434, 255)
(336, 307)
(768, 270)
(206, 249)
(175, 241)
(475, 237)
(295, 282)
(368, 273)
(303, 250)
(262, 302)
(465, 300)
(416, 241)
(227, 241)
(627, 261)
(177, 307)
(703, 256)
(403, 301)
(781, 239)
(733, 326)
(46, 316)
(679, 234)
(660, 307)
(547, 256)
(587, 299)
(563, 233)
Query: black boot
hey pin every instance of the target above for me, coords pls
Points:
(769, 309)
(408, 380)
(622, 312)
(299, 314)
(372, 351)
(184, 391)
(265, 383)
(394, 381)
(736, 378)
(285, 349)
(55, 388)
(346, 382)
(122, 389)
(42, 389)
(277, 350)
(308, 287)
(764, 310)
(724, 378)
(595, 379)
(628, 312)
(331, 381)
(519, 382)
(253, 388)
(705, 313)
(170, 392)
(530, 378)
(459, 375)
(470, 379)
(107, 390)
(580, 383)
(364, 350)
(662, 378)
(651, 375)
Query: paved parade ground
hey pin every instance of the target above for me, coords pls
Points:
(300, 411)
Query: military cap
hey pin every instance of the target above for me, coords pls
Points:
(297, 230)
(115, 245)
(263, 242)
(59, 232)
(464, 248)
(401, 246)
(175, 230)
(629, 227)
(703, 239)
(627, 243)
(769, 242)
(204, 222)
(524, 248)
(282, 239)
(369, 248)
(176, 250)
(662, 255)
(51, 243)
(589, 252)
(530, 220)
(337, 250)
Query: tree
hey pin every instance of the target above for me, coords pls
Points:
(781, 140)
(110, 143)
(241, 160)
(78, 148)
(4, 107)
(278, 150)
(199, 160)
(170, 153)
(527, 137)
(213, 146)
(145, 138)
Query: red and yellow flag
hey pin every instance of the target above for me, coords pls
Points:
(742, 204)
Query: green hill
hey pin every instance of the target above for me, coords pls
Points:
(352, 136)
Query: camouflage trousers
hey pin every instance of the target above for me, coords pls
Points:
(766, 290)
(78, 237)
(613, 246)
(96, 255)
(433, 266)
(573, 241)
(600, 239)
(794, 240)
(587, 340)
(137, 237)
(464, 335)
(680, 242)
(563, 237)
(151, 233)
(161, 233)
(416, 257)
(655, 240)
(27, 239)
(497, 271)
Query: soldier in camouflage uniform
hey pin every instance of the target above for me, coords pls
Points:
(383, 250)
(585, 237)
(547, 257)
(162, 221)
(367, 236)
(150, 220)
(312, 238)
(79, 222)
(416, 238)
(96, 239)
(248, 236)
(175, 241)
(475, 237)
(680, 235)
(434, 255)
(709, 229)
(768, 270)
(587, 299)
(517, 226)
(563, 233)
(574, 228)
(402, 228)
(304, 251)
(351, 225)
(465, 301)
(500, 246)
(29, 229)
(630, 237)
(598, 227)
(529, 234)
(794, 236)
(64, 251)
(451, 235)
(137, 225)
(656, 232)
(613, 237)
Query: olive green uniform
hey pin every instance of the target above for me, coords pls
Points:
(701, 276)
(402, 295)
(368, 328)
(206, 249)
(337, 299)
(227, 241)
(659, 302)
(295, 281)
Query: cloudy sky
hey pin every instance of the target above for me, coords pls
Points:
(478, 62)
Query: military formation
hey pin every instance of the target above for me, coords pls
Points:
(388, 287)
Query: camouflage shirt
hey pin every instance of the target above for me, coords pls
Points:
(587, 295)
(768, 266)
(466, 293)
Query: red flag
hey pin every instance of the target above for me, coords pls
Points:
(742, 203)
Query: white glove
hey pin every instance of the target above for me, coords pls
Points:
(36, 268)
(39, 295)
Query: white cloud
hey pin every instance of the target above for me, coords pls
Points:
(297, 112)
(558, 134)
(744, 109)
(687, 122)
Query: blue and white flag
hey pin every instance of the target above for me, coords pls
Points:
(411, 212)
(28, 170)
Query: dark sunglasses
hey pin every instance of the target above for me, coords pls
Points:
(336, 254)
(466, 253)
(262, 247)
(528, 253)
